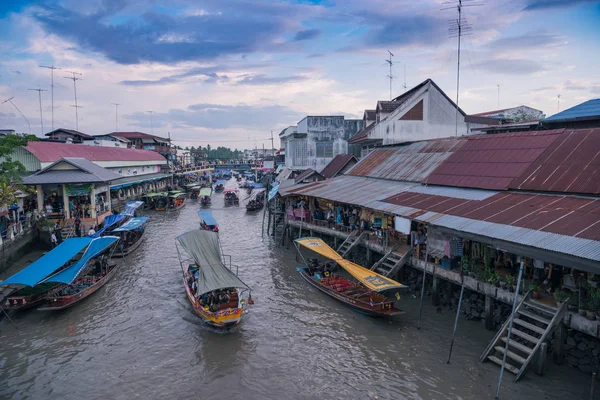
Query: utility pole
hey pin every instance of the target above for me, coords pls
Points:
(116, 116)
(272, 145)
(41, 116)
(151, 121)
(391, 63)
(14, 105)
(404, 78)
(498, 96)
(558, 105)
(51, 68)
(74, 78)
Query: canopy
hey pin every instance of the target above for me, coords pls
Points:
(203, 246)
(207, 217)
(205, 192)
(368, 278)
(176, 194)
(132, 224)
(131, 206)
(69, 274)
(109, 221)
(256, 185)
(273, 191)
(192, 184)
(161, 194)
(231, 189)
(256, 193)
(38, 270)
(221, 182)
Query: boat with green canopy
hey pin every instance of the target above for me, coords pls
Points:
(156, 200)
(213, 289)
(205, 196)
(365, 291)
(176, 200)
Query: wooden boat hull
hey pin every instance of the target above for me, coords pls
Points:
(363, 307)
(219, 190)
(223, 319)
(63, 302)
(160, 208)
(128, 250)
(21, 303)
(254, 208)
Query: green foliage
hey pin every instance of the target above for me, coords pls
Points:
(11, 171)
(509, 279)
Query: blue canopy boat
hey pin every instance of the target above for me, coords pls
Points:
(208, 221)
(25, 288)
(131, 234)
(84, 277)
(220, 185)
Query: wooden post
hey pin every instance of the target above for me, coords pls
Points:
(560, 337)
(423, 289)
(489, 313)
(436, 291)
(369, 257)
(462, 290)
(335, 242)
(541, 359)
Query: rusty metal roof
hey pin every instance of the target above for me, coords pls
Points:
(492, 161)
(53, 151)
(413, 162)
(571, 164)
(338, 163)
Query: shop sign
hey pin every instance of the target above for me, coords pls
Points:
(100, 189)
(78, 190)
(402, 225)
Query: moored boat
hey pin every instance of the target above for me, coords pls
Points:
(220, 185)
(365, 292)
(80, 280)
(157, 201)
(214, 290)
(256, 200)
(176, 200)
(232, 196)
(131, 235)
(195, 191)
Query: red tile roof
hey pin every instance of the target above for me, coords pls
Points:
(53, 151)
(338, 163)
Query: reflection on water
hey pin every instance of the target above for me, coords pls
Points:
(138, 337)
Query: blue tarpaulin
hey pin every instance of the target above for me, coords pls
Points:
(256, 185)
(109, 221)
(68, 275)
(207, 217)
(273, 191)
(48, 263)
(132, 224)
(221, 182)
(131, 206)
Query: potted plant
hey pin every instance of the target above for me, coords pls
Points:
(534, 288)
(560, 297)
(496, 279)
(510, 282)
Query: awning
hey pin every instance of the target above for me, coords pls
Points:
(205, 192)
(256, 185)
(368, 278)
(161, 194)
(221, 182)
(273, 191)
(207, 217)
(203, 246)
(109, 221)
(132, 224)
(134, 180)
(96, 247)
(130, 208)
(48, 263)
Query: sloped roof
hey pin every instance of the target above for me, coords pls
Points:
(137, 135)
(387, 106)
(362, 134)
(86, 172)
(370, 115)
(587, 110)
(72, 132)
(306, 174)
(338, 163)
(53, 151)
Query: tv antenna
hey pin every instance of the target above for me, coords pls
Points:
(74, 78)
(391, 63)
(404, 86)
(151, 121)
(51, 68)
(458, 28)
(558, 105)
(116, 116)
(498, 96)
(23, 115)
(39, 90)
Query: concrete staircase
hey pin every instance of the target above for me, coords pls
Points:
(532, 325)
(391, 262)
(352, 240)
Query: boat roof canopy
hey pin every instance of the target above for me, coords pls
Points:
(205, 192)
(43, 267)
(207, 217)
(109, 221)
(368, 278)
(97, 246)
(131, 206)
(132, 224)
(161, 194)
(203, 246)
(221, 182)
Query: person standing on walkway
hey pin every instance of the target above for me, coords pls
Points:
(92, 231)
(58, 232)
(77, 224)
(53, 239)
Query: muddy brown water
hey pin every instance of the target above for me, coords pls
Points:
(138, 337)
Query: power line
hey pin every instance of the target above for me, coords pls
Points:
(51, 68)
(15, 106)
(74, 78)
(391, 63)
(116, 116)
(39, 90)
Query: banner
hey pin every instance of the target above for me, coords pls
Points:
(78, 190)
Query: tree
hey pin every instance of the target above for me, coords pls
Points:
(10, 170)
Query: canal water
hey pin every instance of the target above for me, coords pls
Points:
(139, 338)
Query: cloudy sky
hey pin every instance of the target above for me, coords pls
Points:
(228, 72)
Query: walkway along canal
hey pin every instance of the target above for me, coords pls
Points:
(138, 337)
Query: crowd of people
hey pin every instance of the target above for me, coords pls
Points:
(212, 300)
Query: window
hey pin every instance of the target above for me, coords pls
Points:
(325, 150)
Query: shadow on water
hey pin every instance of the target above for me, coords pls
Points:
(138, 337)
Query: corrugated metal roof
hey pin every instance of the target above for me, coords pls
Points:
(306, 174)
(337, 164)
(51, 151)
(136, 135)
(587, 110)
(413, 162)
(571, 164)
(86, 172)
(492, 161)
(72, 132)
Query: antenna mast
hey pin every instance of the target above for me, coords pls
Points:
(116, 116)
(151, 121)
(15, 106)
(391, 63)
(74, 78)
(558, 105)
(51, 68)
(39, 90)
(404, 78)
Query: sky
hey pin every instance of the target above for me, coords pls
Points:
(228, 72)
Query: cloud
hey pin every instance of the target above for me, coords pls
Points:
(262, 79)
(595, 89)
(316, 55)
(534, 5)
(405, 30)
(306, 34)
(574, 86)
(543, 89)
(530, 40)
(220, 116)
(510, 66)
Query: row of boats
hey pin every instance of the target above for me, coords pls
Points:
(77, 267)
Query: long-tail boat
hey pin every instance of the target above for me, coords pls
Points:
(25, 288)
(256, 200)
(208, 221)
(176, 200)
(83, 278)
(213, 289)
(231, 196)
(365, 292)
(220, 185)
(131, 235)
(205, 196)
